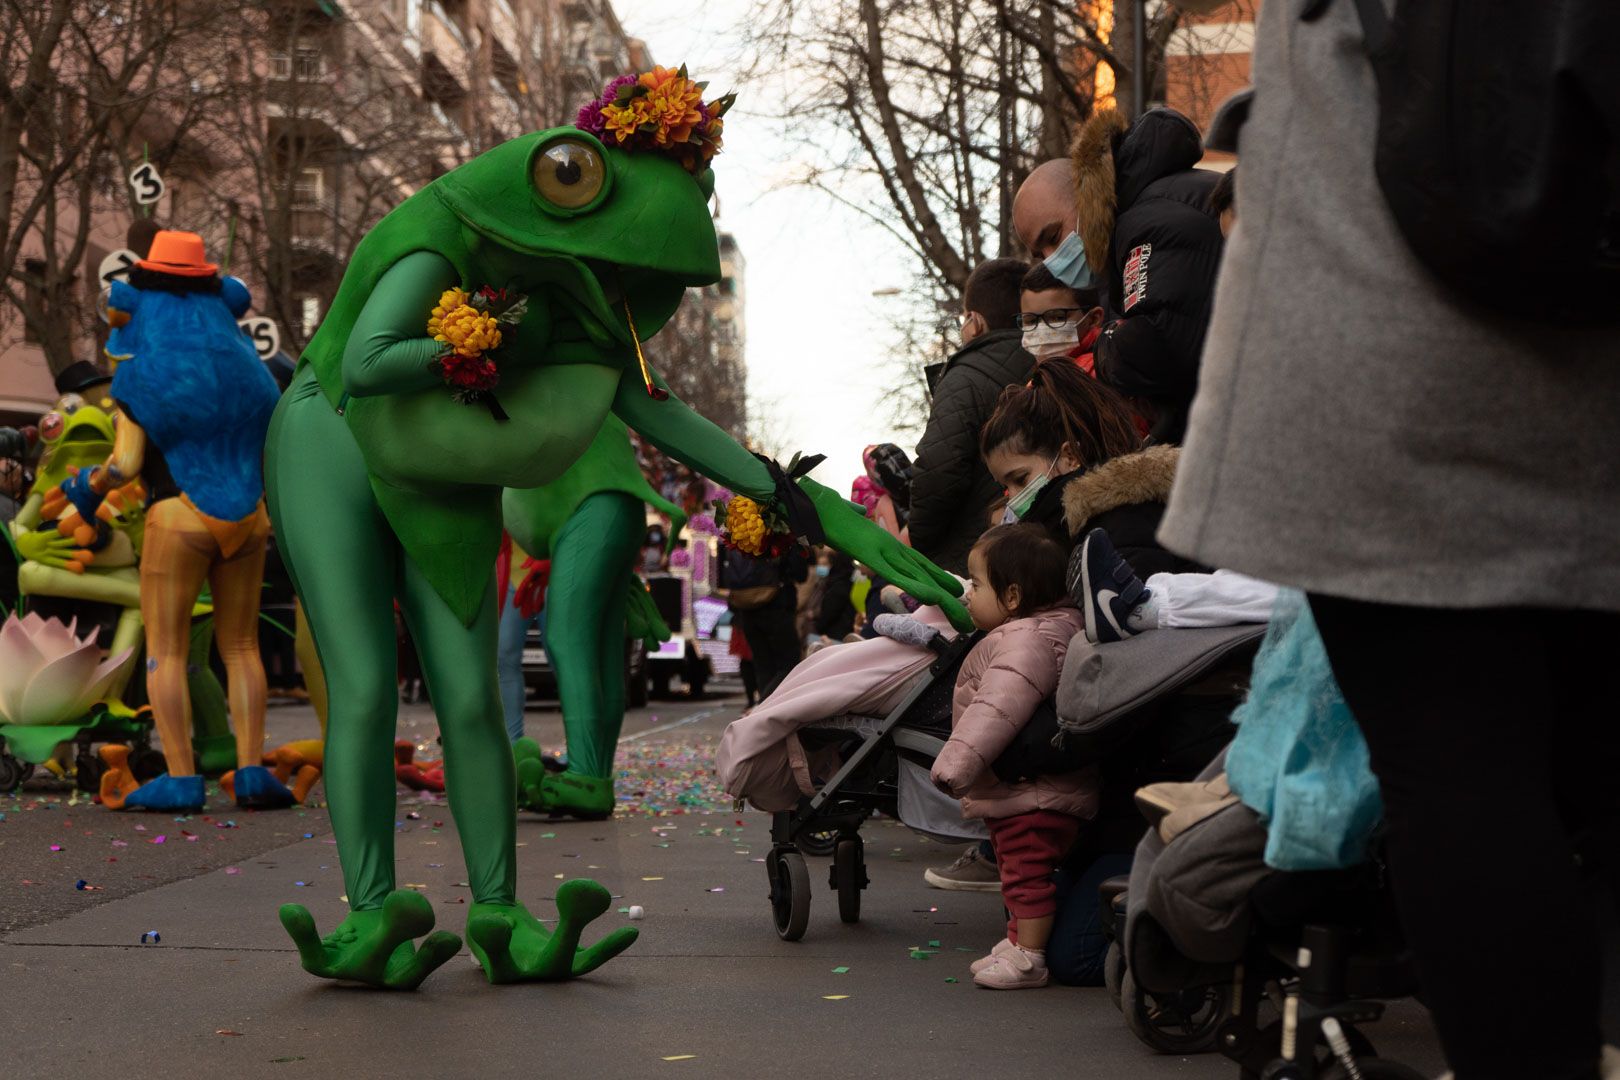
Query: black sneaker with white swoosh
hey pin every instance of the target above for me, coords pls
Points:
(1105, 588)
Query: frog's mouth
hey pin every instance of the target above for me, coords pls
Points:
(591, 293)
(85, 433)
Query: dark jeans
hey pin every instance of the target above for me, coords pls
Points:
(1075, 953)
(773, 639)
(1496, 744)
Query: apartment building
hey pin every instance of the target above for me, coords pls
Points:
(287, 130)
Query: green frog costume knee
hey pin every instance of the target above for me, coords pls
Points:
(386, 461)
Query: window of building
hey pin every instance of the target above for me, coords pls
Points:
(309, 187)
(306, 63)
(309, 316)
(33, 295)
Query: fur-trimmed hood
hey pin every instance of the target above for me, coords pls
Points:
(1142, 477)
(1112, 160)
(1091, 161)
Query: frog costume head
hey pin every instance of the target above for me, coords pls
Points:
(585, 228)
(585, 231)
(76, 435)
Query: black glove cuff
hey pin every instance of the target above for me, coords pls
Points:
(796, 504)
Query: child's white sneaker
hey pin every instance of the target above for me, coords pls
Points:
(1015, 969)
(995, 950)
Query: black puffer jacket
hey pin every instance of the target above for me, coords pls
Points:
(1140, 200)
(1124, 497)
(951, 491)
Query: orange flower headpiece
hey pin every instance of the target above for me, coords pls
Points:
(660, 110)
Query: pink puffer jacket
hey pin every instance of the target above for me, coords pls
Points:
(1001, 683)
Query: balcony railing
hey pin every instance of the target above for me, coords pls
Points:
(444, 39)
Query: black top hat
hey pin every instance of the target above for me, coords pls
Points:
(79, 376)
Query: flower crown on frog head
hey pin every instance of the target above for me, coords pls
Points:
(660, 110)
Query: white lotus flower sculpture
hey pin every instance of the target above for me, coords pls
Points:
(48, 675)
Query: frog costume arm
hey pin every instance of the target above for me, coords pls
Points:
(678, 431)
(387, 352)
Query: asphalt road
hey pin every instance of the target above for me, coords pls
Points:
(707, 989)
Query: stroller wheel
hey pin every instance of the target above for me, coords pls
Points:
(12, 772)
(1114, 973)
(1185, 1022)
(790, 893)
(1372, 1069)
(849, 877)
(819, 844)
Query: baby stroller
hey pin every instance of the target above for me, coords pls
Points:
(880, 757)
(1322, 949)
(1148, 709)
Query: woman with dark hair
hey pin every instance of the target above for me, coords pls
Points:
(1067, 450)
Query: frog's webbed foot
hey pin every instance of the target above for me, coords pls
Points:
(374, 947)
(547, 787)
(512, 946)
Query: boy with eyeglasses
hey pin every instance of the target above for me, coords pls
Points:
(1058, 320)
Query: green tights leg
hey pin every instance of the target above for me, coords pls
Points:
(592, 557)
(349, 568)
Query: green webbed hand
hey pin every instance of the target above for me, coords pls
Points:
(50, 548)
(374, 947)
(513, 946)
(852, 533)
(643, 621)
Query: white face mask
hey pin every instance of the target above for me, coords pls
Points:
(1043, 341)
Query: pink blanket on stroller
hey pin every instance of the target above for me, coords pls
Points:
(760, 757)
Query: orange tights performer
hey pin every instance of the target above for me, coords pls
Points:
(181, 551)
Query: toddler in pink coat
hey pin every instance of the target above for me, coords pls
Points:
(1018, 595)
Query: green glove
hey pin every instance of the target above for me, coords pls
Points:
(849, 531)
(642, 619)
(50, 548)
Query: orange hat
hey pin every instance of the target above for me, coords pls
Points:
(178, 253)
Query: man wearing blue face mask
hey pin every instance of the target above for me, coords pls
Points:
(1128, 212)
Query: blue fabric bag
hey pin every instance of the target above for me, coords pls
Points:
(1299, 760)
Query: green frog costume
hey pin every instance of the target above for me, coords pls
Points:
(385, 482)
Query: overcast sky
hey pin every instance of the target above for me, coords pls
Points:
(817, 344)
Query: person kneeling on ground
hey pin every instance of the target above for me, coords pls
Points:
(1016, 594)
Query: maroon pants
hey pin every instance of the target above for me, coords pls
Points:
(1028, 848)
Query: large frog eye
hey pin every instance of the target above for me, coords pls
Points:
(50, 426)
(569, 173)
